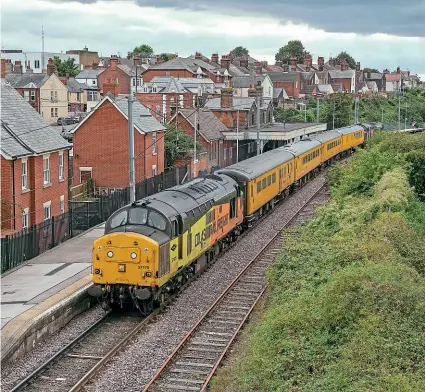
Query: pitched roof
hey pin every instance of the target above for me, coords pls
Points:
(374, 76)
(129, 71)
(210, 126)
(325, 88)
(143, 119)
(342, 74)
(371, 84)
(75, 86)
(337, 87)
(24, 131)
(283, 76)
(90, 73)
(25, 80)
(238, 103)
(308, 89)
(307, 75)
(247, 81)
(392, 77)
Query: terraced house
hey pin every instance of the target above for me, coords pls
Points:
(34, 165)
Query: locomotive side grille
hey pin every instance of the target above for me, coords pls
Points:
(164, 259)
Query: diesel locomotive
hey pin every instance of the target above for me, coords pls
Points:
(151, 247)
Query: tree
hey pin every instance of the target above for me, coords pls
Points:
(178, 145)
(167, 56)
(142, 50)
(66, 66)
(293, 48)
(350, 60)
(373, 70)
(239, 51)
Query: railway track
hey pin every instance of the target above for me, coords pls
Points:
(194, 361)
(79, 359)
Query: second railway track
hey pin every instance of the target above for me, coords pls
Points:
(194, 361)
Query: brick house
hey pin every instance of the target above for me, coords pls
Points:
(234, 111)
(34, 165)
(101, 144)
(345, 76)
(290, 81)
(209, 134)
(164, 98)
(191, 68)
(117, 78)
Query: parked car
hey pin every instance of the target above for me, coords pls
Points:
(66, 120)
(68, 136)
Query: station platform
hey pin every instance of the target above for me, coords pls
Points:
(42, 289)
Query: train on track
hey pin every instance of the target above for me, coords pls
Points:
(153, 246)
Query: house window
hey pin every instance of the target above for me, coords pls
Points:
(134, 82)
(61, 165)
(167, 74)
(47, 210)
(56, 112)
(158, 109)
(26, 95)
(46, 169)
(24, 174)
(92, 95)
(230, 152)
(56, 96)
(153, 170)
(52, 112)
(154, 143)
(25, 222)
(225, 153)
(78, 96)
(154, 89)
(181, 103)
(62, 204)
(32, 95)
(145, 89)
(36, 63)
(93, 82)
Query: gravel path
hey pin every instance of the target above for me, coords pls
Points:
(135, 365)
(12, 373)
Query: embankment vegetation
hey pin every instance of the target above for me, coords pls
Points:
(346, 303)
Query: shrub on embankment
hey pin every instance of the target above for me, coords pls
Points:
(346, 308)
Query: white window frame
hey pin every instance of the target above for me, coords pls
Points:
(47, 207)
(32, 94)
(24, 173)
(46, 169)
(25, 218)
(36, 64)
(62, 204)
(52, 112)
(61, 166)
(56, 112)
(26, 95)
(154, 173)
(154, 143)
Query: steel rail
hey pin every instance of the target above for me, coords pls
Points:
(189, 334)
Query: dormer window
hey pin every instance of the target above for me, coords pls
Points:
(154, 88)
(145, 89)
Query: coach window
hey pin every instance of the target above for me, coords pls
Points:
(258, 186)
(274, 178)
(269, 180)
(264, 183)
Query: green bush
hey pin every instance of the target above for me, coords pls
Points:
(347, 295)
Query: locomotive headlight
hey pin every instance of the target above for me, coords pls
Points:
(121, 268)
(110, 254)
(148, 274)
(98, 271)
(133, 255)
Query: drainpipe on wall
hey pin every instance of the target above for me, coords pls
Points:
(13, 194)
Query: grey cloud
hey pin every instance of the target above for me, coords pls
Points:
(401, 18)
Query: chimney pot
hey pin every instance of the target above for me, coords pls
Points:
(113, 62)
(225, 61)
(214, 58)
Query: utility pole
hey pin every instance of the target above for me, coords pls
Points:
(405, 117)
(131, 148)
(399, 98)
(305, 109)
(194, 142)
(382, 121)
(258, 122)
(42, 48)
(237, 137)
(356, 110)
(333, 116)
(318, 110)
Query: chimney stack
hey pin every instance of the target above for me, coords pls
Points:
(307, 61)
(51, 67)
(226, 98)
(293, 63)
(225, 61)
(321, 63)
(332, 62)
(214, 58)
(9, 66)
(244, 62)
(264, 64)
(198, 56)
(17, 69)
(343, 64)
(358, 67)
(3, 68)
(113, 62)
(29, 70)
(398, 69)
(258, 68)
(279, 63)
(285, 67)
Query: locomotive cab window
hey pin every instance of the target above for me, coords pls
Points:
(174, 229)
(119, 219)
(138, 216)
(232, 208)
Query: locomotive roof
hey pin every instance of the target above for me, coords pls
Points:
(256, 166)
(326, 136)
(300, 147)
(351, 129)
(183, 198)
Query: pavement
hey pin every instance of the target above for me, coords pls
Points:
(45, 281)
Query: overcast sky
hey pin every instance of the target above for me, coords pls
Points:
(378, 33)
